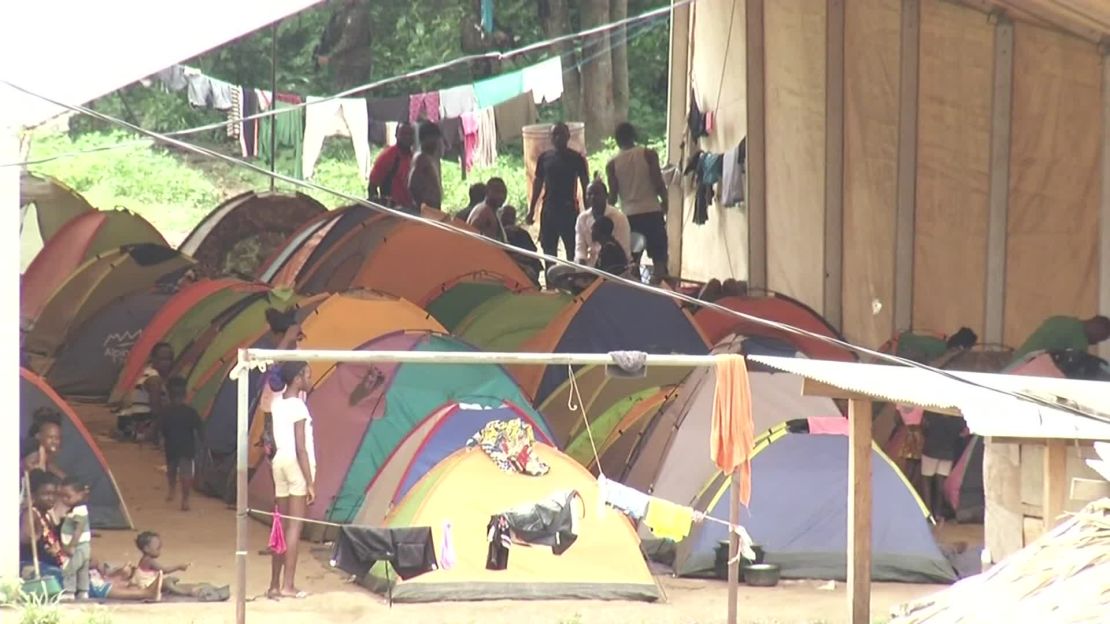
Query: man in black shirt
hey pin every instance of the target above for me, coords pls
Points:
(180, 428)
(941, 449)
(557, 172)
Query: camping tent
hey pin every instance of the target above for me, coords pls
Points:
(799, 515)
(242, 232)
(179, 321)
(98, 282)
(79, 455)
(292, 263)
(506, 321)
(454, 301)
(606, 426)
(45, 206)
(77, 242)
(443, 432)
(370, 409)
(774, 307)
(403, 258)
(285, 262)
(616, 449)
(466, 489)
(609, 317)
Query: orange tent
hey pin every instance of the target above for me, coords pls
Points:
(780, 308)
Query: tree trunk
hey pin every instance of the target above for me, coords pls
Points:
(555, 19)
(618, 10)
(597, 75)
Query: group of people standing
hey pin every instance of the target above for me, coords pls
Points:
(600, 236)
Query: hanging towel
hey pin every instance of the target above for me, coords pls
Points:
(173, 78)
(447, 556)
(668, 520)
(498, 89)
(290, 134)
(456, 101)
(277, 535)
(632, 502)
(235, 113)
(733, 173)
(409, 550)
(470, 140)
(342, 117)
(424, 106)
(512, 115)
(544, 80)
(732, 432)
(250, 126)
(828, 425)
(395, 109)
(485, 153)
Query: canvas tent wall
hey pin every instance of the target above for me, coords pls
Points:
(909, 163)
(507, 321)
(45, 205)
(79, 455)
(239, 234)
(457, 299)
(78, 241)
(779, 308)
(466, 489)
(285, 262)
(98, 282)
(372, 408)
(799, 515)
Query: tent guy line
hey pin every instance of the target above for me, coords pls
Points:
(553, 259)
(645, 17)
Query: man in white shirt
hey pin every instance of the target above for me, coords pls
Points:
(294, 470)
(585, 249)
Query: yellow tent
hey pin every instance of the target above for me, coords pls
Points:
(467, 488)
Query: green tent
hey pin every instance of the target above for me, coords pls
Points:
(459, 300)
(581, 449)
(506, 321)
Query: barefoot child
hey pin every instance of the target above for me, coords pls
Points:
(150, 570)
(180, 429)
(76, 539)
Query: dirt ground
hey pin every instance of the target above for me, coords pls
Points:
(205, 538)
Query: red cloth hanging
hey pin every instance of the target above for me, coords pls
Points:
(277, 535)
(732, 434)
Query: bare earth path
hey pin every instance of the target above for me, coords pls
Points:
(205, 537)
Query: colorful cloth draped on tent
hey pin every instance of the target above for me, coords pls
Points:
(509, 445)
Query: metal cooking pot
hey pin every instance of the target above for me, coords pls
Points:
(761, 574)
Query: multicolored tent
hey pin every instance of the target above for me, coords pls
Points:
(466, 489)
(79, 455)
(236, 237)
(179, 321)
(616, 450)
(456, 300)
(443, 432)
(46, 205)
(799, 514)
(774, 307)
(366, 411)
(97, 283)
(403, 258)
(607, 426)
(609, 317)
(506, 321)
(78, 241)
(281, 268)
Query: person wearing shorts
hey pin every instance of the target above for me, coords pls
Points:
(294, 471)
(942, 446)
(180, 429)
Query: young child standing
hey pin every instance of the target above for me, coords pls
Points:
(76, 540)
(180, 429)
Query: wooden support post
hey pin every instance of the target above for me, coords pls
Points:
(834, 162)
(907, 166)
(757, 148)
(1054, 492)
(1104, 204)
(999, 190)
(859, 511)
(242, 428)
(679, 81)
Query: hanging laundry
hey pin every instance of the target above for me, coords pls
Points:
(395, 109)
(695, 119)
(235, 113)
(249, 106)
(706, 169)
(173, 78)
(485, 152)
(500, 541)
(277, 534)
(470, 140)
(497, 89)
(732, 431)
(512, 115)
(509, 443)
(632, 502)
(551, 522)
(289, 132)
(290, 98)
(734, 172)
(207, 92)
(410, 551)
(451, 129)
(668, 520)
(447, 557)
(424, 107)
(378, 133)
(456, 101)
(342, 117)
(710, 122)
(544, 80)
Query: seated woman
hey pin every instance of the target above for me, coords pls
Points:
(40, 449)
(41, 534)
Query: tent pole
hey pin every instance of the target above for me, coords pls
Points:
(464, 357)
(241, 495)
(733, 548)
(859, 511)
(273, 103)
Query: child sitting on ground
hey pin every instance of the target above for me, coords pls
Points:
(76, 540)
(180, 428)
(150, 570)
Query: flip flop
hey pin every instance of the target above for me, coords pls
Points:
(300, 595)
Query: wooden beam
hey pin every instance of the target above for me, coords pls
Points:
(757, 147)
(1055, 488)
(834, 163)
(1104, 203)
(679, 81)
(910, 37)
(999, 192)
(859, 512)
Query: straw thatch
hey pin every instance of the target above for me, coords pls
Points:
(1063, 577)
